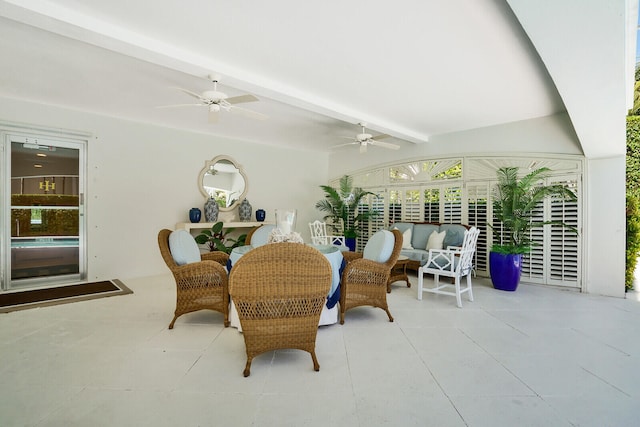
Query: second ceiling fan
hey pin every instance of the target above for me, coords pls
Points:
(365, 139)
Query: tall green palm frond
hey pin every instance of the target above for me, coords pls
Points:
(514, 204)
(341, 207)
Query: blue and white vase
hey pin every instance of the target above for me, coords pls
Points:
(244, 210)
(211, 210)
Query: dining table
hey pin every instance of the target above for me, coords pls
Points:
(329, 313)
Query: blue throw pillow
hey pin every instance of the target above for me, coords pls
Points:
(455, 234)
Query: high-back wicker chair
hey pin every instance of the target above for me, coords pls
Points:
(279, 291)
(364, 281)
(199, 285)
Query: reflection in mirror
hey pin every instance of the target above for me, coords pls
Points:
(225, 181)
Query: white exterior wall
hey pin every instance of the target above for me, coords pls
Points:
(605, 227)
(142, 178)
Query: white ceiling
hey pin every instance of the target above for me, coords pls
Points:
(413, 68)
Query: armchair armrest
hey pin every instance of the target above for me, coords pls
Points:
(362, 270)
(209, 269)
(217, 256)
(442, 259)
(350, 256)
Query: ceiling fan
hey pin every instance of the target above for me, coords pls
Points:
(364, 139)
(216, 101)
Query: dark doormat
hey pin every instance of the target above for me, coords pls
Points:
(22, 300)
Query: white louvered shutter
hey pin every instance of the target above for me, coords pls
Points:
(452, 205)
(478, 197)
(431, 205)
(563, 243)
(411, 206)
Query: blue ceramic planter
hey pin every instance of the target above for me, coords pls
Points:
(351, 243)
(505, 270)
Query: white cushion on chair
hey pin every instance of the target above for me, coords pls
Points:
(379, 247)
(436, 240)
(184, 248)
(261, 235)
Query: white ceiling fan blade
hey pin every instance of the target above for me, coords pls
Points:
(180, 105)
(382, 136)
(248, 113)
(344, 145)
(384, 144)
(348, 137)
(242, 98)
(188, 92)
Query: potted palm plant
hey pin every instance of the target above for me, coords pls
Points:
(341, 208)
(513, 205)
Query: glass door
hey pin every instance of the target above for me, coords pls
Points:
(45, 216)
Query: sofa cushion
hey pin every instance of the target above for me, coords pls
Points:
(406, 237)
(183, 247)
(402, 226)
(436, 240)
(380, 246)
(455, 234)
(421, 233)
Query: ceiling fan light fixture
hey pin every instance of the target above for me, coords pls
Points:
(214, 108)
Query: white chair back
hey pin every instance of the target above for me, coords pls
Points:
(319, 235)
(465, 266)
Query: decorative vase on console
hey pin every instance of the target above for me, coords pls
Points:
(194, 215)
(260, 215)
(244, 210)
(211, 210)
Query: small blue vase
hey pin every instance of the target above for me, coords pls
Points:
(260, 215)
(195, 214)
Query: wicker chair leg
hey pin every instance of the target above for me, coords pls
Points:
(388, 314)
(316, 365)
(247, 368)
(173, 321)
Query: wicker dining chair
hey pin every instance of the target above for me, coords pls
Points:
(364, 281)
(200, 285)
(279, 290)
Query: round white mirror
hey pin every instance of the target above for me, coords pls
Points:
(224, 180)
